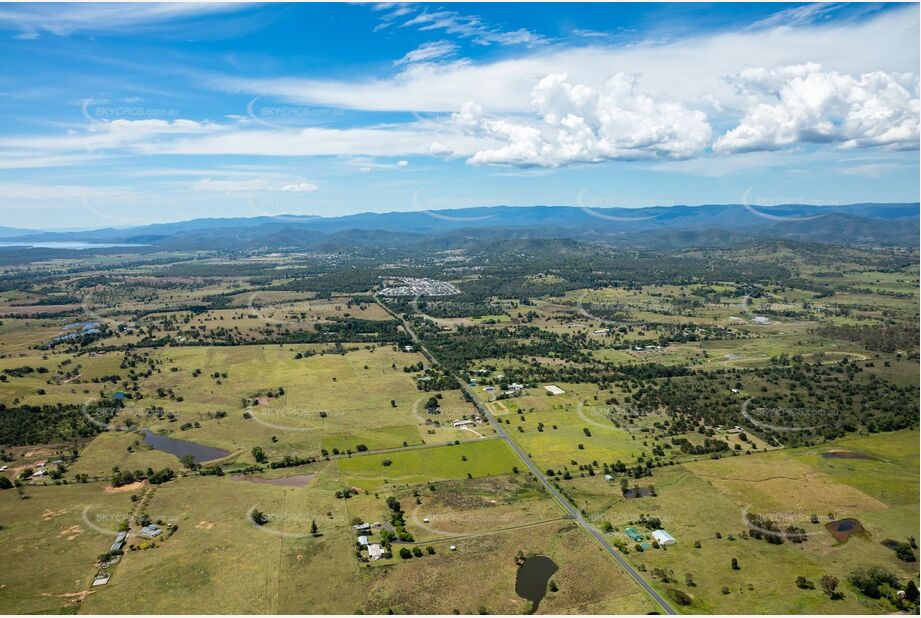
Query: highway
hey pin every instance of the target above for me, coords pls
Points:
(573, 512)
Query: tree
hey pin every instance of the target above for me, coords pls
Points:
(679, 596)
(553, 586)
(417, 552)
(405, 554)
(314, 530)
(829, 585)
(259, 455)
(5, 483)
(869, 580)
(804, 584)
(259, 518)
(430, 550)
(735, 565)
(911, 591)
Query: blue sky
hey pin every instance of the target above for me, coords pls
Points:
(118, 115)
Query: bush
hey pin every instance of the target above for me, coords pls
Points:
(679, 596)
(869, 580)
(804, 584)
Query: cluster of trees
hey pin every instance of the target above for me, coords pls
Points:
(406, 554)
(877, 583)
(126, 477)
(877, 338)
(397, 520)
(59, 422)
(760, 527)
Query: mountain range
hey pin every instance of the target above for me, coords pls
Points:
(660, 227)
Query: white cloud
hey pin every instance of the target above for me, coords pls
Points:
(688, 69)
(437, 149)
(225, 185)
(803, 104)
(427, 52)
(801, 15)
(581, 125)
(300, 187)
(869, 170)
(66, 19)
(465, 26)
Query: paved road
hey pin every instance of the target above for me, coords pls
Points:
(574, 513)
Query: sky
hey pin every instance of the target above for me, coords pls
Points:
(115, 115)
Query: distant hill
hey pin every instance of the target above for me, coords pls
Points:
(654, 227)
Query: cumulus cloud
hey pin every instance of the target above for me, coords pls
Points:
(804, 104)
(582, 125)
(438, 149)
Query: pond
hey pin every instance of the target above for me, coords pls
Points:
(180, 448)
(532, 579)
(638, 492)
(844, 528)
(295, 480)
(844, 455)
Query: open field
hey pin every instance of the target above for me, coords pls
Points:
(50, 537)
(482, 458)
(696, 501)
(291, 364)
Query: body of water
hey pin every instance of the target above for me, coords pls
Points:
(68, 245)
(533, 577)
(180, 448)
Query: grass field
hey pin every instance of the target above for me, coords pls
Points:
(482, 458)
(49, 547)
(696, 500)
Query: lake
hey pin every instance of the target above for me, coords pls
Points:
(69, 245)
(532, 579)
(180, 448)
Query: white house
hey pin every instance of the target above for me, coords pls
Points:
(663, 538)
(553, 390)
(375, 552)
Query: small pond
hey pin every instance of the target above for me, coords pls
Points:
(638, 492)
(180, 448)
(532, 579)
(844, 528)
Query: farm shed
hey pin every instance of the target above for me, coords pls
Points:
(663, 537)
(633, 534)
(151, 531)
